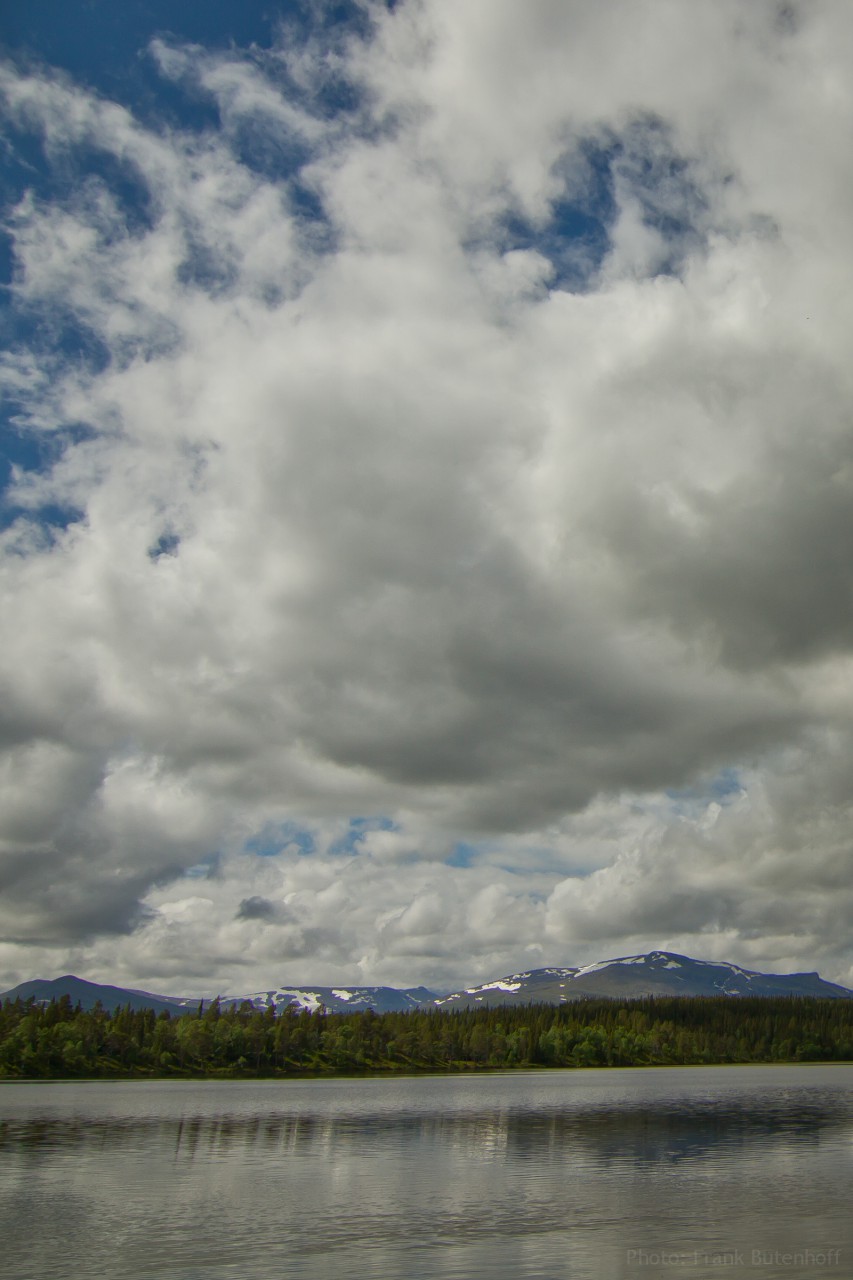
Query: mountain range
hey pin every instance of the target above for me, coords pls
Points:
(659, 973)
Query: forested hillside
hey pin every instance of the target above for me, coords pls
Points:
(61, 1040)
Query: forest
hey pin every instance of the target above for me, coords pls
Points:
(61, 1041)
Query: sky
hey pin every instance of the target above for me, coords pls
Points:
(426, 527)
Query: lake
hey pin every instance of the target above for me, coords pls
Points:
(718, 1171)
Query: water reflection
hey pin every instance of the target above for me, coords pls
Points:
(641, 1132)
(525, 1175)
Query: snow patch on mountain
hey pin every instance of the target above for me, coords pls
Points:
(658, 974)
(500, 985)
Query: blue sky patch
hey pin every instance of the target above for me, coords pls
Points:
(462, 854)
(575, 238)
(273, 840)
(103, 44)
(166, 545)
(721, 789)
(358, 829)
(648, 166)
(25, 451)
(108, 48)
(641, 164)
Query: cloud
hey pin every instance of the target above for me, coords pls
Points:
(469, 458)
(256, 908)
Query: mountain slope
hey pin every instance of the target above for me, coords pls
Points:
(660, 973)
(340, 999)
(88, 994)
(334, 999)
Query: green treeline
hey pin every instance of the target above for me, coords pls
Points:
(61, 1040)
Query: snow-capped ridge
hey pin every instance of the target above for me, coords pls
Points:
(656, 974)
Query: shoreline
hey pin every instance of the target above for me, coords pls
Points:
(409, 1074)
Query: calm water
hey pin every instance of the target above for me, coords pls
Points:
(695, 1172)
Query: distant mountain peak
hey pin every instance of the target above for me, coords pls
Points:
(656, 973)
